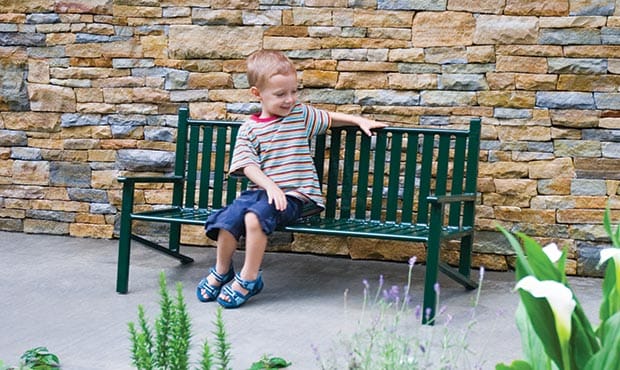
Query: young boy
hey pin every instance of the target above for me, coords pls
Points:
(272, 152)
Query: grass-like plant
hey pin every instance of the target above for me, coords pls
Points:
(389, 335)
(168, 347)
(555, 332)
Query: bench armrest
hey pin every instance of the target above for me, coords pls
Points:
(451, 198)
(150, 179)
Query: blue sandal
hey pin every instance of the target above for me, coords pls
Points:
(212, 291)
(236, 298)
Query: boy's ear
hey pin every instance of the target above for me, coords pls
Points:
(254, 90)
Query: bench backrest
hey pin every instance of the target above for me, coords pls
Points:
(387, 177)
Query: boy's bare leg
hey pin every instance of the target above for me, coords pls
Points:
(226, 246)
(256, 244)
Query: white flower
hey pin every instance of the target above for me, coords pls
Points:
(552, 251)
(560, 300)
(608, 253)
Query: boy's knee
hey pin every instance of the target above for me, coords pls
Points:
(252, 222)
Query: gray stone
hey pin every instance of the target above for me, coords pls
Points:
(145, 160)
(327, 96)
(152, 72)
(448, 98)
(22, 39)
(539, 146)
(434, 120)
(81, 38)
(88, 195)
(41, 18)
(159, 134)
(607, 101)
(243, 108)
(13, 88)
(8, 27)
(512, 113)
(308, 54)
(463, 82)
(588, 257)
(28, 154)
(577, 148)
(564, 100)
(152, 30)
(123, 31)
(122, 63)
(354, 32)
(126, 120)
(70, 174)
(51, 215)
(600, 134)
(11, 224)
(411, 4)
(120, 132)
(418, 68)
(492, 242)
(48, 52)
(162, 120)
(76, 120)
(262, 18)
(102, 209)
(552, 231)
(176, 79)
(479, 68)
(386, 97)
(611, 150)
(189, 95)
(13, 138)
(588, 187)
(577, 65)
(350, 54)
(569, 36)
(35, 226)
(610, 36)
(593, 7)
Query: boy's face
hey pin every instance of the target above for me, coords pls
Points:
(278, 95)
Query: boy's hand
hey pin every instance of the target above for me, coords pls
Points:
(367, 124)
(276, 197)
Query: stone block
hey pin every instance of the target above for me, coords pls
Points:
(48, 98)
(360, 248)
(501, 29)
(521, 64)
(537, 8)
(31, 172)
(589, 82)
(45, 227)
(477, 6)
(557, 168)
(592, 7)
(10, 138)
(588, 187)
(527, 81)
(607, 100)
(195, 42)
(503, 170)
(569, 36)
(408, 81)
(565, 100)
(463, 82)
(327, 245)
(145, 160)
(559, 186)
(577, 148)
(70, 174)
(611, 150)
(443, 29)
(91, 230)
(386, 97)
(448, 98)
(506, 99)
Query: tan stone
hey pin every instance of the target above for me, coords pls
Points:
(154, 46)
(207, 110)
(382, 18)
(361, 248)
(45, 227)
(477, 6)
(530, 50)
(48, 98)
(501, 29)
(91, 230)
(575, 118)
(516, 214)
(291, 43)
(507, 99)
(290, 31)
(213, 80)
(409, 55)
(592, 51)
(521, 64)
(574, 21)
(206, 42)
(605, 83)
(105, 179)
(356, 66)
(195, 235)
(320, 244)
(501, 81)
(443, 29)
(583, 216)
(31, 121)
(503, 170)
(31, 172)
(20, 6)
(88, 218)
(480, 54)
(400, 81)
(557, 168)
(612, 123)
(231, 96)
(319, 78)
(524, 133)
(528, 81)
(516, 186)
(38, 71)
(540, 8)
(303, 16)
(136, 11)
(362, 80)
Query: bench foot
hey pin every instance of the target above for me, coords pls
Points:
(182, 258)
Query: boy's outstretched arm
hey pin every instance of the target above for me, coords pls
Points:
(274, 193)
(365, 124)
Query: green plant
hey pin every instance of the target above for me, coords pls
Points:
(168, 347)
(389, 335)
(38, 358)
(266, 363)
(555, 331)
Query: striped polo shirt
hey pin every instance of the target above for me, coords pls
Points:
(279, 147)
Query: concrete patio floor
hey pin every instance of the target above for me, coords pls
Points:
(59, 292)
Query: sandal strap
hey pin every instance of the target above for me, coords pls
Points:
(222, 279)
(249, 285)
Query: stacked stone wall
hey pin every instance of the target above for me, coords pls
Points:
(90, 90)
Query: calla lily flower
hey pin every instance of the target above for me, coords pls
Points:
(608, 253)
(552, 251)
(560, 299)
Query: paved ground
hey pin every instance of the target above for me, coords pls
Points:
(59, 292)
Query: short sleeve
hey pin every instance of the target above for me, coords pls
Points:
(245, 152)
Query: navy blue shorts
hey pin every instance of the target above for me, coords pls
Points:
(231, 217)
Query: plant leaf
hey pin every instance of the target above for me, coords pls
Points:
(608, 357)
(515, 365)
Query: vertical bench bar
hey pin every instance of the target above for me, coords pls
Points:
(347, 174)
(376, 203)
(394, 176)
(409, 181)
(363, 175)
(205, 168)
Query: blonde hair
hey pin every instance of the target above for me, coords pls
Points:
(264, 64)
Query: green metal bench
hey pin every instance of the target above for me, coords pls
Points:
(408, 184)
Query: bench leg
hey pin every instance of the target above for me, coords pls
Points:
(124, 241)
(465, 257)
(430, 282)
